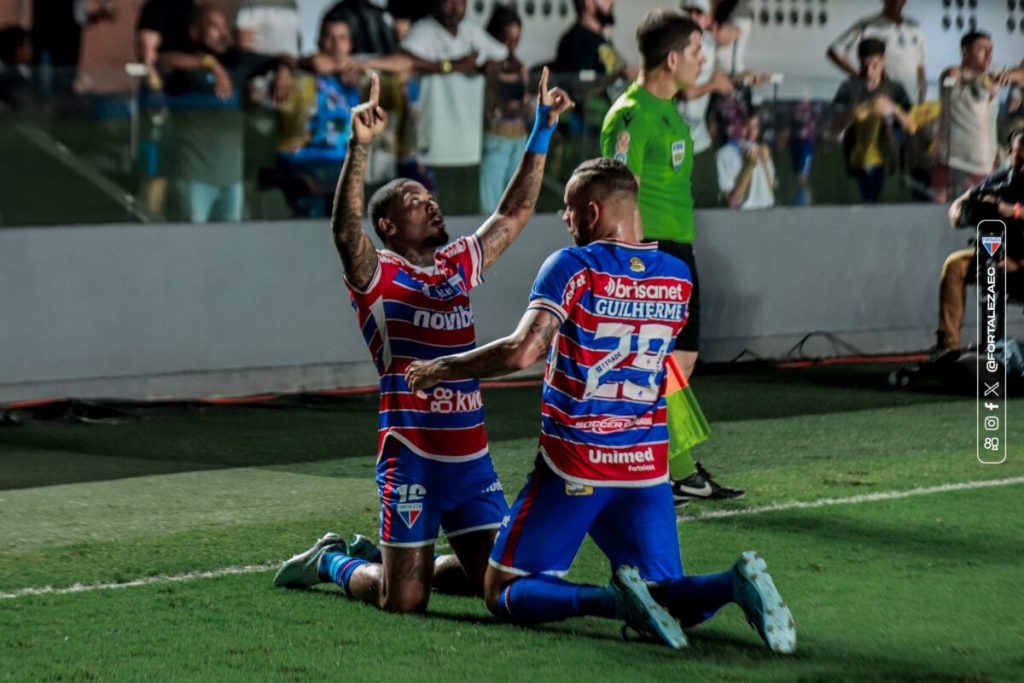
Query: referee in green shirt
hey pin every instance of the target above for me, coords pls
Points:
(644, 131)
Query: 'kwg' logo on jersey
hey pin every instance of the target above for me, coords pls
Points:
(459, 318)
(991, 244)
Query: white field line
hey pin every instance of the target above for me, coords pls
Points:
(721, 514)
(853, 500)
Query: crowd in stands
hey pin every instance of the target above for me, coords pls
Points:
(230, 107)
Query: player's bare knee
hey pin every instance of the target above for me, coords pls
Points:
(405, 600)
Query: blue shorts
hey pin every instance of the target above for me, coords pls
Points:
(418, 496)
(551, 517)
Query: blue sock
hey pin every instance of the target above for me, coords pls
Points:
(338, 568)
(693, 599)
(540, 598)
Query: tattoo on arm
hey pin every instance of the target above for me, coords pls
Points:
(505, 355)
(514, 209)
(356, 250)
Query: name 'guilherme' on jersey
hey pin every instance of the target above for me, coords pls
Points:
(621, 307)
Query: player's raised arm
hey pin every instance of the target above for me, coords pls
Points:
(525, 346)
(355, 248)
(520, 198)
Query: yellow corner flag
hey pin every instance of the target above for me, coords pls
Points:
(687, 425)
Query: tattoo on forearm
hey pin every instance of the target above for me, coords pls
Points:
(354, 247)
(495, 242)
(517, 204)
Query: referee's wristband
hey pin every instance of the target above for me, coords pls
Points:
(540, 136)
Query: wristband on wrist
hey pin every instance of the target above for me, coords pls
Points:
(540, 136)
(209, 62)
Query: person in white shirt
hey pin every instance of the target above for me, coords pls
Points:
(966, 145)
(746, 173)
(270, 27)
(453, 101)
(694, 105)
(904, 47)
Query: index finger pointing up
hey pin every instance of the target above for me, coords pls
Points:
(543, 86)
(375, 89)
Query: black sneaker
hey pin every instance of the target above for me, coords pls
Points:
(700, 486)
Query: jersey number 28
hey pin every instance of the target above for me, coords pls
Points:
(645, 360)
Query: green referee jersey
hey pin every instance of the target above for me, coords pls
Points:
(648, 135)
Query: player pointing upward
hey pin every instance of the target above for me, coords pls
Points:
(411, 298)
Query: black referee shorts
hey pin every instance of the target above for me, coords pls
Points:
(689, 337)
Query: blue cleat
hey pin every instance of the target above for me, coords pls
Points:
(642, 613)
(755, 592)
(303, 570)
(363, 548)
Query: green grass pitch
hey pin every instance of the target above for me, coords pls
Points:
(890, 588)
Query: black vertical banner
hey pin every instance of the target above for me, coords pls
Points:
(991, 371)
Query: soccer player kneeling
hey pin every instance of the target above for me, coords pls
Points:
(609, 311)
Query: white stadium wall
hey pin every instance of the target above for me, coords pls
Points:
(163, 311)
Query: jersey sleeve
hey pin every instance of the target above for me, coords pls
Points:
(559, 285)
(623, 138)
(463, 259)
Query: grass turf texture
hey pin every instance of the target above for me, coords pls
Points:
(920, 588)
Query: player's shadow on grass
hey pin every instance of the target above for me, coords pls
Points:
(897, 537)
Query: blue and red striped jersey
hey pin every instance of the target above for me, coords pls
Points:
(621, 307)
(410, 313)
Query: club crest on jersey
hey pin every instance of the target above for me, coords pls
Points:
(991, 244)
(410, 512)
(678, 154)
(636, 265)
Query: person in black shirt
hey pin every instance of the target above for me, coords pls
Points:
(584, 47)
(372, 33)
(205, 90)
(57, 34)
(999, 196)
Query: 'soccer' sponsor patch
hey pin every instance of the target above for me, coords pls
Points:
(574, 489)
(678, 154)
(410, 512)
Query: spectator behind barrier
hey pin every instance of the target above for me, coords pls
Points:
(999, 196)
(163, 26)
(867, 108)
(696, 101)
(746, 173)
(453, 101)
(316, 122)
(371, 27)
(505, 110)
(205, 93)
(15, 66)
(586, 47)
(57, 35)
(904, 47)
(967, 142)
